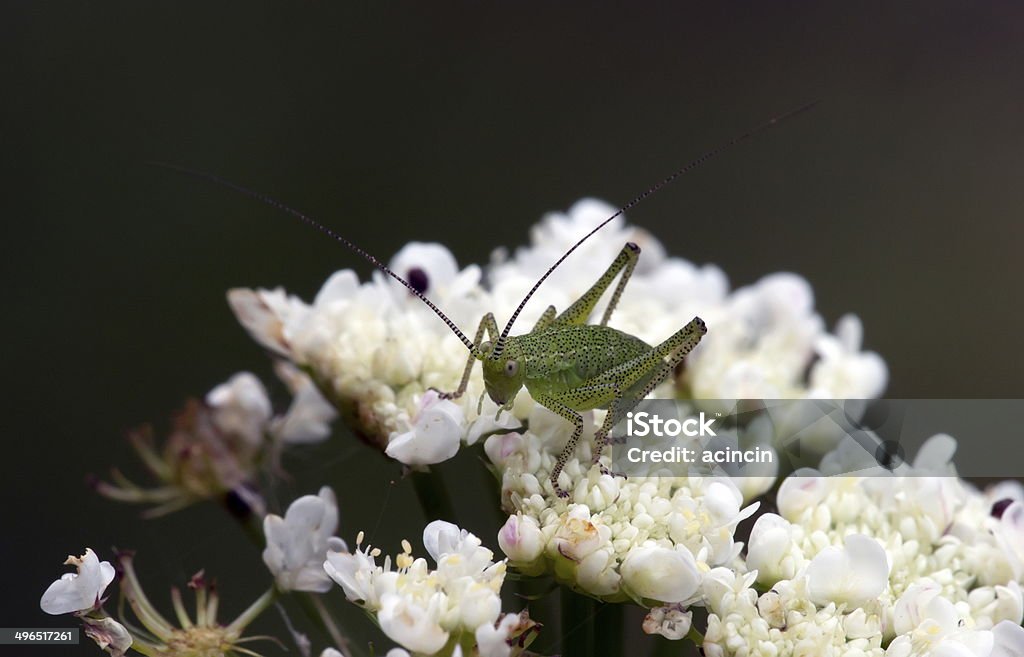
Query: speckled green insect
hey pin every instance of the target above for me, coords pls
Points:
(569, 366)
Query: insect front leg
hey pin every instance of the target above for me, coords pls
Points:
(563, 403)
(615, 413)
(489, 325)
(568, 413)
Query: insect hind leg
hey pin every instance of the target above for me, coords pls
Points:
(546, 320)
(676, 348)
(579, 312)
(641, 375)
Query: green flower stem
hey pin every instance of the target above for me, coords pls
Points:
(433, 495)
(578, 613)
(340, 642)
(179, 609)
(140, 604)
(310, 603)
(255, 609)
(146, 648)
(608, 629)
(666, 648)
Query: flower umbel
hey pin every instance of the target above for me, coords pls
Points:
(428, 611)
(218, 446)
(199, 636)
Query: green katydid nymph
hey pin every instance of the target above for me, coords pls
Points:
(567, 365)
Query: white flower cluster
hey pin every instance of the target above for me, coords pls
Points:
(432, 612)
(641, 538)
(923, 564)
(241, 407)
(787, 620)
(217, 446)
(150, 633)
(783, 621)
(930, 527)
(376, 350)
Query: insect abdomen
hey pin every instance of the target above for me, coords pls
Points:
(563, 357)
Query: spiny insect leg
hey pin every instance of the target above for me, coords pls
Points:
(651, 365)
(579, 312)
(588, 395)
(611, 418)
(632, 251)
(488, 324)
(676, 347)
(558, 407)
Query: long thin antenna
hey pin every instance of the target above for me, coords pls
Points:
(274, 203)
(500, 344)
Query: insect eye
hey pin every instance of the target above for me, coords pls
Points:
(511, 367)
(485, 347)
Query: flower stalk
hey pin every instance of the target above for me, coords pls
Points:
(578, 629)
(432, 493)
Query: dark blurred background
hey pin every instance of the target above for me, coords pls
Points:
(899, 198)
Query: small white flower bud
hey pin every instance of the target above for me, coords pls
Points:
(520, 538)
(798, 492)
(596, 574)
(770, 607)
(108, 634)
(769, 550)
(670, 622)
(663, 574)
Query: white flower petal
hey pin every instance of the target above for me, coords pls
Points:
(413, 626)
(435, 435)
(427, 265)
(441, 537)
(1009, 640)
(852, 574)
(79, 591)
(770, 549)
(309, 417)
(266, 314)
(241, 407)
(298, 543)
